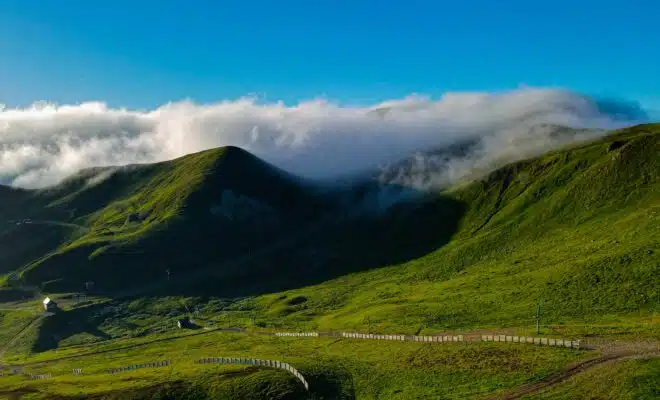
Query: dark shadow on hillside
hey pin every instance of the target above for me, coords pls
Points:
(65, 324)
(14, 294)
(25, 243)
(364, 237)
(115, 316)
(330, 383)
(365, 227)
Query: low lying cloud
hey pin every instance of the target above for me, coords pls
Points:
(42, 144)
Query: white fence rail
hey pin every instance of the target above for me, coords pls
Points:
(437, 339)
(308, 334)
(154, 364)
(354, 335)
(256, 362)
(575, 344)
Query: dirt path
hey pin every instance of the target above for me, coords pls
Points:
(559, 377)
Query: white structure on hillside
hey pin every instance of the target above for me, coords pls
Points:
(49, 305)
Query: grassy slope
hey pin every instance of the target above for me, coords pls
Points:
(578, 229)
(144, 219)
(21, 244)
(12, 322)
(155, 201)
(628, 380)
(157, 196)
(358, 369)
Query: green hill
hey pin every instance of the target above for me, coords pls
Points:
(577, 229)
(125, 226)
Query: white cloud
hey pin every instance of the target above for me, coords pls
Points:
(44, 143)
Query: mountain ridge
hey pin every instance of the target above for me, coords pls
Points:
(134, 205)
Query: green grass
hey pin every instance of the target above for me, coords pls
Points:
(502, 290)
(627, 380)
(577, 229)
(138, 219)
(152, 201)
(12, 322)
(158, 200)
(359, 369)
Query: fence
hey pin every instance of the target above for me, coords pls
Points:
(372, 336)
(309, 334)
(256, 362)
(575, 344)
(155, 364)
(12, 371)
(351, 335)
(437, 339)
(413, 338)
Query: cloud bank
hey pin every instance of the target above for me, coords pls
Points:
(44, 143)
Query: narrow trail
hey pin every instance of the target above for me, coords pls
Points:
(566, 374)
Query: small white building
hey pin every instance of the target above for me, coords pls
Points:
(49, 305)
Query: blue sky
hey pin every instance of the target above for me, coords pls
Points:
(144, 53)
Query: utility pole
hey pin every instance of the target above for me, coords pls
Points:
(368, 321)
(538, 318)
(167, 271)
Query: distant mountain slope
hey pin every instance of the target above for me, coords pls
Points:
(577, 228)
(472, 157)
